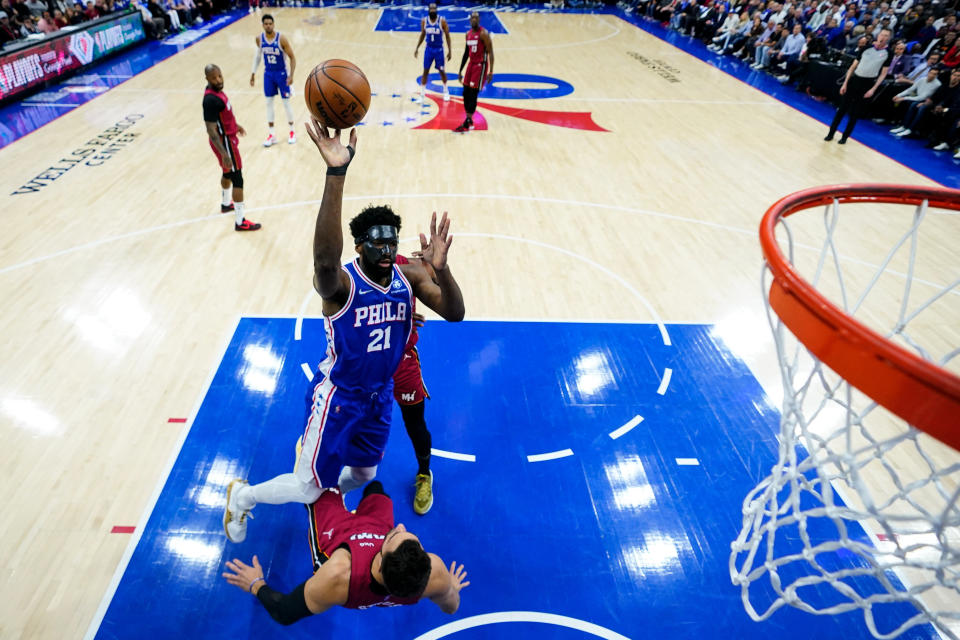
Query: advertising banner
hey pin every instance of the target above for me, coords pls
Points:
(69, 51)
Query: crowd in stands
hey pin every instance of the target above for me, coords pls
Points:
(920, 93)
(26, 19)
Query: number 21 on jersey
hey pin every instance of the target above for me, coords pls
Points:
(379, 340)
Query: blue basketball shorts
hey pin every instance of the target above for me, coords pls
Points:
(433, 57)
(342, 429)
(275, 82)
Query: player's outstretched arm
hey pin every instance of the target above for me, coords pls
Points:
(444, 586)
(324, 590)
(442, 294)
(328, 279)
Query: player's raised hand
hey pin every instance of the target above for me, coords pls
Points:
(435, 251)
(330, 147)
(459, 575)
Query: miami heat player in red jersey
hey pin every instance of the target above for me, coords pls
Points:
(222, 130)
(479, 51)
(410, 392)
(360, 561)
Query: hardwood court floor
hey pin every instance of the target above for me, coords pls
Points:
(122, 282)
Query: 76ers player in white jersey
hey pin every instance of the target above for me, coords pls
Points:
(367, 309)
(274, 48)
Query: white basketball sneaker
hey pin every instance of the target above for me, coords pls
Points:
(235, 518)
(270, 141)
(446, 95)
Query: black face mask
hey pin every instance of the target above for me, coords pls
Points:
(378, 243)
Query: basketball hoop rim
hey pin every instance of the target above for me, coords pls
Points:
(925, 395)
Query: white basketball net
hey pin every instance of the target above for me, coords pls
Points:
(860, 511)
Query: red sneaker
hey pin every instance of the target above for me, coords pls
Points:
(246, 225)
(226, 208)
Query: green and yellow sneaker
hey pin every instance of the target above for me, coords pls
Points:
(423, 496)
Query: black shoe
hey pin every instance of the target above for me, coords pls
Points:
(842, 140)
(828, 138)
(226, 208)
(246, 225)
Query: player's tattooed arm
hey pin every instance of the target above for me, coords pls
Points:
(217, 142)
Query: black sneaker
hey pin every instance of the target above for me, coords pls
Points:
(246, 225)
(226, 208)
(464, 126)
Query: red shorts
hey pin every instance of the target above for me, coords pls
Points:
(474, 75)
(233, 150)
(331, 524)
(408, 387)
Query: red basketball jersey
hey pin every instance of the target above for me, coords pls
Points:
(414, 336)
(475, 47)
(332, 527)
(228, 123)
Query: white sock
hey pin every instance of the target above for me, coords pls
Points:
(280, 490)
(444, 87)
(238, 212)
(355, 477)
(271, 130)
(227, 193)
(289, 110)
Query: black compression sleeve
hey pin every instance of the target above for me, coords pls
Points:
(285, 608)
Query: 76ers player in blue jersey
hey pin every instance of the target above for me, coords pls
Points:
(367, 309)
(431, 28)
(272, 46)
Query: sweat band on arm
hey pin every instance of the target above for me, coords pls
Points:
(342, 171)
(285, 608)
(256, 61)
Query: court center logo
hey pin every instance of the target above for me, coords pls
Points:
(507, 86)
(81, 45)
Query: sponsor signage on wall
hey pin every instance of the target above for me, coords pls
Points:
(28, 67)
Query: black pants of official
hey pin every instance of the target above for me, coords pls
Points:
(851, 104)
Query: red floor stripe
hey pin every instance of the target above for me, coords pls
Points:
(177, 420)
(119, 529)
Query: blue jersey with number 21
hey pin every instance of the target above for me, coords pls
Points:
(366, 338)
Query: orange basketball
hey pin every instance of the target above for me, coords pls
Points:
(337, 93)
